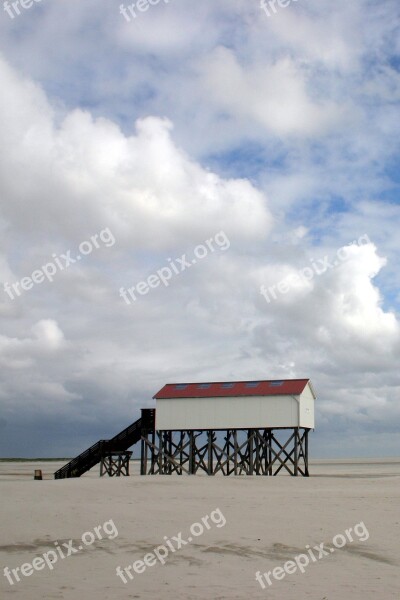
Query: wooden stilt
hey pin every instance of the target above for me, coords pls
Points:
(296, 452)
(115, 463)
(260, 452)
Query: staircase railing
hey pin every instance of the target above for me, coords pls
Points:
(90, 457)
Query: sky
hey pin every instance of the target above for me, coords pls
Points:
(198, 191)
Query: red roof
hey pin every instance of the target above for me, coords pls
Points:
(274, 387)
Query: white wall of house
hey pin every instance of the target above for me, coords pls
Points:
(240, 412)
(307, 401)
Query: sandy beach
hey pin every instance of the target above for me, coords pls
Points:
(254, 524)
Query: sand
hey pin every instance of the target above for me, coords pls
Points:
(268, 521)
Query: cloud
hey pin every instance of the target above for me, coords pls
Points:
(48, 332)
(335, 323)
(82, 170)
(274, 96)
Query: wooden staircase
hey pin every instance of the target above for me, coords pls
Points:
(93, 455)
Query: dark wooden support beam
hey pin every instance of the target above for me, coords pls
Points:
(250, 437)
(235, 452)
(192, 464)
(210, 438)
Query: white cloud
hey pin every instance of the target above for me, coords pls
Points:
(148, 191)
(48, 332)
(274, 95)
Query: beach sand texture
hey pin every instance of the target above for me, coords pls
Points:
(269, 521)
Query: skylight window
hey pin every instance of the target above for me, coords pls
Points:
(252, 384)
(276, 383)
(181, 386)
(204, 386)
(227, 385)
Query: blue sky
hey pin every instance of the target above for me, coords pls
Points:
(192, 119)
